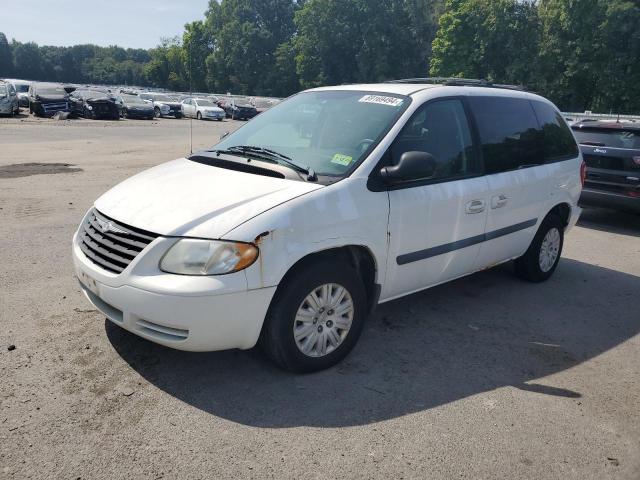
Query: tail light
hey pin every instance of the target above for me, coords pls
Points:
(583, 172)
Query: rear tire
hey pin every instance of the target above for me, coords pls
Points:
(329, 343)
(542, 257)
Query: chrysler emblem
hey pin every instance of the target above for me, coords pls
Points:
(108, 226)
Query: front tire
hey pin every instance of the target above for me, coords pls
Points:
(156, 112)
(199, 116)
(542, 257)
(315, 318)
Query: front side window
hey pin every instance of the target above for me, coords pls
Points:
(330, 131)
(441, 129)
(557, 138)
(509, 133)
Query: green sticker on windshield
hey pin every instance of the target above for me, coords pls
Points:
(341, 159)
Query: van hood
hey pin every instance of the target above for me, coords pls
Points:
(185, 198)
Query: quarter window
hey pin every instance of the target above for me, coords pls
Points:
(509, 133)
(441, 129)
(558, 142)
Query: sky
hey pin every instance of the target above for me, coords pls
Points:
(127, 23)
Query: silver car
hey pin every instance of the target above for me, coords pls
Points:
(8, 99)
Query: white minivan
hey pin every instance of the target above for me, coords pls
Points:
(293, 228)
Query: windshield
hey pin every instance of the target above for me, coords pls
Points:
(51, 91)
(205, 103)
(22, 87)
(163, 98)
(609, 138)
(329, 131)
(133, 100)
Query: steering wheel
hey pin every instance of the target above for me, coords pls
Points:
(364, 144)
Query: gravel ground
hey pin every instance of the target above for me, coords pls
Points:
(485, 377)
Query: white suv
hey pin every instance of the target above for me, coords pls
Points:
(294, 227)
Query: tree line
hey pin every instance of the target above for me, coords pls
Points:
(582, 54)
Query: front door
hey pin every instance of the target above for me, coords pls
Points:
(436, 225)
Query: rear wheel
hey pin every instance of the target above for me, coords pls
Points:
(315, 318)
(542, 257)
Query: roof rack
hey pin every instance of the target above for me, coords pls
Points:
(458, 82)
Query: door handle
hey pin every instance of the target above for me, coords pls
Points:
(499, 201)
(475, 206)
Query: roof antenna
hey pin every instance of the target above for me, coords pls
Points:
(190, 95)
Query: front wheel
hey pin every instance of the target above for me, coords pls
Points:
(315, 318)
(156, 112)
(199, 116)
(542, 257)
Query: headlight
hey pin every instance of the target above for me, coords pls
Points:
(190, 256)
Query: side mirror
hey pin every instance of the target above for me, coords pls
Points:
(412, 166)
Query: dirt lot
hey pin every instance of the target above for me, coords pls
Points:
(486, 377)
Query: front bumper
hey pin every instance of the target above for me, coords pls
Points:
(178, 311)
(597, 198)
(214, 115)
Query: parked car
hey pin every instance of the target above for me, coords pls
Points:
(238, 108)
(22, 88)
(45, 99)
(136, 107)
(263, 104)
(93, 104)
(163, 105)
(611, 151)
(290, 239)
(9, 104)
(202, 108)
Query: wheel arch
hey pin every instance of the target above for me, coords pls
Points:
(359, 257)
(563, 211)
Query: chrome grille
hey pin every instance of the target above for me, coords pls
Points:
(111, 244)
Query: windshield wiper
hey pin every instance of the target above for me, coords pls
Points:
(262, 153)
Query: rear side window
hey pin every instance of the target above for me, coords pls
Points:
(608, 138)
(556, 136)
(509, 133)
(439, 128)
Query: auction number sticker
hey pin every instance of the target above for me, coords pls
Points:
(341, 159)
(381, 100)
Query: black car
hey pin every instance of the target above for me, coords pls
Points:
(45, 99)
(238, 109)
(611, 151)
(93, 104)
(135, 107)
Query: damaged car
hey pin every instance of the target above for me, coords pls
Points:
(93, 104)
(45, 99)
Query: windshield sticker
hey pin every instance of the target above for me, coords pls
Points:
(341, 159)
(382, 100)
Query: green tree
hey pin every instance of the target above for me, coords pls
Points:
(247, 36)
(6, 57)
(28, 61)
(495, 40)
(341, 41)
